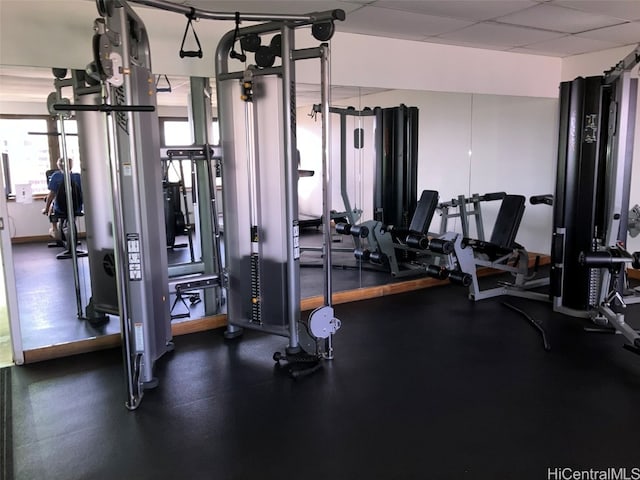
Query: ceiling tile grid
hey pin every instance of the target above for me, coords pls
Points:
(543, 27)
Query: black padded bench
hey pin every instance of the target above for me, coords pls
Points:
(505, 230)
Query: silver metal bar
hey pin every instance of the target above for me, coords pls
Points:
(256, 73)
(624, 65)
(257, 17)
(186, 269)
(291, 180)
(134, 392)
(201, 119)
(71, 219)
(326, 172)
(621, 139)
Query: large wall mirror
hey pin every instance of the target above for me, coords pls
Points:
(467, 144)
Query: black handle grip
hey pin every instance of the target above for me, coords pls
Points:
(238, 56)
(537, 199)
(636, 260)
(65, 107)
(190, 53)
(604, 259)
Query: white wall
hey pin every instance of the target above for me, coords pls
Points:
(58, 33)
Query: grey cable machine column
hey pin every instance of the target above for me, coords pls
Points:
(201, 119)
(257, 114)
(122, 61)
(291, 188)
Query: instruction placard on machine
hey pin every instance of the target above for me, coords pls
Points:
(134, 259)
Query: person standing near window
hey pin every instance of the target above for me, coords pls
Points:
(56, 200)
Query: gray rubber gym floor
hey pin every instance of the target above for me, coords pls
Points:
(425, 385)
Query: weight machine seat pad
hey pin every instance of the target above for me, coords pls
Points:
(492, 250)
(425, 210)
(508, 222)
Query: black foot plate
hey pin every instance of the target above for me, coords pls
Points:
(297, 365)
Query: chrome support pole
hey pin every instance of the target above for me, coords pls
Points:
(71, 219)
(326, 173)
(291, 187)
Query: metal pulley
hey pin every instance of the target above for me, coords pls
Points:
(323, 323)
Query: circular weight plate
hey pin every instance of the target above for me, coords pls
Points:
(265, 57)
(322, 322)
(59, 72)
(323, 31)
(276, 45)
(250, 42)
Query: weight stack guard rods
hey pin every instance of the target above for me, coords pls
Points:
(326, 185)
(254, 216)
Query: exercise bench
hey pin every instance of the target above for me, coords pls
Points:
(501, 253)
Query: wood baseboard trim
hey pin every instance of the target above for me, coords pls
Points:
(113, 340)
(217, 321)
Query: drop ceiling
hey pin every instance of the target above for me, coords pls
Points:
(557, 28)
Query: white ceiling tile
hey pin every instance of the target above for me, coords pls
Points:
(623, 9)
(398, 24)
(624, 34)
(498, 34)
(459, 43)
(529, 51)
(569, 45)
(293, 7)
(475, 10)
(559, 19)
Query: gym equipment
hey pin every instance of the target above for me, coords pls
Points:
(131, 241)
(466, 207)
(204, 164)
(395, 138)
(634, 221)
(256, 110)
(71, 240)
(191, 16)
(175, 222)
(350, 214)
(501, 253)
(429, 255)
(591, 201)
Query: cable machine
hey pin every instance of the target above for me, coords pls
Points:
(591, 201)
(256, 109)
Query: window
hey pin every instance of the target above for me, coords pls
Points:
(178, 132)
(73, 149)
(30, 145)
(25, 146)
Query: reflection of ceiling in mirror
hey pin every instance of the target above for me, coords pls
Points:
(31, 84)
